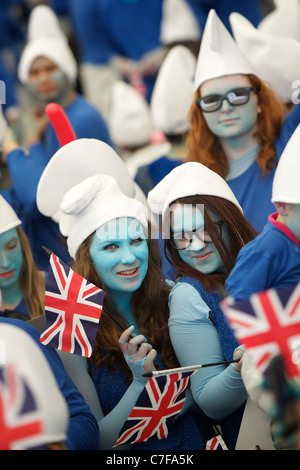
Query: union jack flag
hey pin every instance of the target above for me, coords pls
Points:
(73, 308)
(156, 408)
(21, 423)
(216, 443)
(268, 324)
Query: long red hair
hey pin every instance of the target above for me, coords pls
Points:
(204, 147)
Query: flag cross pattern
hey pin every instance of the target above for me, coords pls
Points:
(72, 300)
(160, 401)
(268, 323)
(18, 430)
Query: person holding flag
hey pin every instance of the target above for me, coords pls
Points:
(204, 229)
(108, 240)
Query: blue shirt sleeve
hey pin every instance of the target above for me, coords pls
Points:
(217, 390)
(83, 432)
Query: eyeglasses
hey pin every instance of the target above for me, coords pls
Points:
(235, 97)
(182, 240)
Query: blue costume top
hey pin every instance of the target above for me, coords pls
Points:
(189, 433)
(200, 334)
(21, 309)
(83, 431)
(25, 169)
(272, 259)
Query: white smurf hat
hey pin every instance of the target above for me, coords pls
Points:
(43, 22)
(129, 117)
(173, 92)
(286, 183)
(188, 179)
(178, 23)
(219, 54)
(30, 393)
(276, 60)
(94, 202)
(8, 217)
(73, 163)
(284, 21)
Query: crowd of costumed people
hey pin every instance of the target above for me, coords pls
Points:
(150, 226)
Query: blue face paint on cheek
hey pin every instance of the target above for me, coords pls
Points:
(11, 258)
(120, 258)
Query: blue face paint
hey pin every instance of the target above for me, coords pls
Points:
(200, 255)
(11, 259)
(119, 251)
(230, 121)
(292, 221)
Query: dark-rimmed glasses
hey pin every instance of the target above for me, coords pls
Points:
(235, 97)
(182, 240)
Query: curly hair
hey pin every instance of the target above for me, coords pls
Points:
(31, 281)
(239, 230)
(204, 147)
(149, 305)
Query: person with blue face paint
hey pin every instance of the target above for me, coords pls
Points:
(110, 242)
(22, 286)
(239, 127)
(204, 230)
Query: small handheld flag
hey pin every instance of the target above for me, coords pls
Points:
(268, 324)
(156, 408)
(73, 307)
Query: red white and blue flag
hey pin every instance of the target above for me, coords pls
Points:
(268, 324)
(156, 408)
(73, 307)
(216, 443)
(21, 423)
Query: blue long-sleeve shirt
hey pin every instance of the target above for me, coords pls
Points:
(83, 431)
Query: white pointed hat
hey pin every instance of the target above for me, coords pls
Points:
(74, 162)
(286, 183)
(43, 22)
(129, 116)
(188, 179)
(284, 21)
(276, 59)
(178, 23)
(219, 54)
(173, 92)
(94, 202)
(8, 217)
(26, 369)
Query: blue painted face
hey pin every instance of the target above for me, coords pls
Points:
(230, 121)
(11, 258)
(119, 251)
(293, 219)
(200, 255)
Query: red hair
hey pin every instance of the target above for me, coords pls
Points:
(204, 147)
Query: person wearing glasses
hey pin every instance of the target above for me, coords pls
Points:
(239, 127)
(204, 229)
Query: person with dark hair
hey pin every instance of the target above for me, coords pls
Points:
(204, 230)
(108, 240)
(239, 127)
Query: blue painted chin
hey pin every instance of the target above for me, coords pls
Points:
(11, 259)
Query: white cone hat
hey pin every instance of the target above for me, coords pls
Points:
(43, 22)
(27, 366)
(129, 117)
(173, 92)
(188, 179)
(92, 203)
(8, 217)
(219, 54)
(179, 23)
(73, 163)
(276, 60)
(286, 183)
(284, 21)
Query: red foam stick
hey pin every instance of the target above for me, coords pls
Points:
(61, 124)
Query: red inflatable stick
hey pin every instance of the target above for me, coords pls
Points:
(61, 124)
